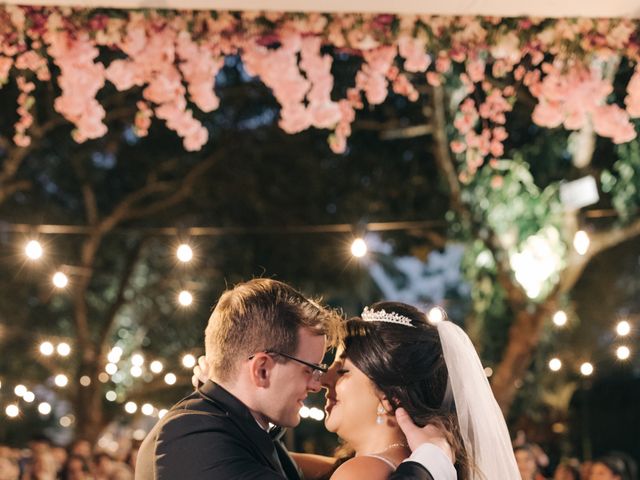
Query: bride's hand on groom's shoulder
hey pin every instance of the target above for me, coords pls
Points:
(417, 436)
(200, 372)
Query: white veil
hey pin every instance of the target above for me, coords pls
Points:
(480, 419)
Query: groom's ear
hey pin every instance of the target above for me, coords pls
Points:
(260, 369)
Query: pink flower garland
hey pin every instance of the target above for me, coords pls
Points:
(174, 58)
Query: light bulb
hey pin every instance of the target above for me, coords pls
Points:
(623, 328)
(184, 253)
(46, 348)
(63, 349)
(586, 369)
(60, 280)
(555, 364)
(560, 318)
(359, 248)
(188, 361)
(623, 352)
(33, 250)
(185, 298)
(581, 242)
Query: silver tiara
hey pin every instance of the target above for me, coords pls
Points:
(369, 315)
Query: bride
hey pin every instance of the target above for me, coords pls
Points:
(393, 357)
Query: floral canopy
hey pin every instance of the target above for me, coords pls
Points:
(568, 66)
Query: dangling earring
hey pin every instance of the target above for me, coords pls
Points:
(379, 417)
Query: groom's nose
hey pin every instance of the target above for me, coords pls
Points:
(314, 385)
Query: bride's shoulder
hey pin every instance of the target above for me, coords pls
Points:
(371, 468)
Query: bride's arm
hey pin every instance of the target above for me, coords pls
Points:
(313, 466)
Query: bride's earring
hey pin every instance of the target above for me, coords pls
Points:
(380, 417)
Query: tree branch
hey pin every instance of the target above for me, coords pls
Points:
(129, 268)
(185, 188)
(443, 157)
(600, 242)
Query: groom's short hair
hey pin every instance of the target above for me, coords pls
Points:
(258, 315)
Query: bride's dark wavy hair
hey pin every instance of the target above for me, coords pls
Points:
(407, 366)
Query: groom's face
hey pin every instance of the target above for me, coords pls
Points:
(291, 381)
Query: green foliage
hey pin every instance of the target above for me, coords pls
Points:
(622, 181)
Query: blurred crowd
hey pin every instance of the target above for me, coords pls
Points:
(43, 460)
(533, 464)
(80, 461)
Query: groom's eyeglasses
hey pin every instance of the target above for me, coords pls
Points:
(317, 369)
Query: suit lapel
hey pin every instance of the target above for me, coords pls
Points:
(240, 415)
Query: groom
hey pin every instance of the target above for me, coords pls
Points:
(264, 342)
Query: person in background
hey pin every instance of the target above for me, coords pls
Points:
(103, 466)
(526, 460)
(567, 471)
(614, 466)
(585, 470)
(81, 448)
(9, 469)
(76, 468)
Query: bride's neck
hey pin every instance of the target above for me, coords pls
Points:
(382, 439)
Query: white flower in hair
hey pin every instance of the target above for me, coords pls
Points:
(370, 315)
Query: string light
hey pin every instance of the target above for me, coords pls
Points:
(113, 357)
(555, 364)
(581, 242)
(63, 349)
(623, 328)
(185, 298)
(147, 409)
(29, 397)
(156, 366)
(316, 414)
(358, 248)
(131, 407)
(111, 396)
(137, 360)
(623, 352)
(44, 408)
(115, 354)
(61, 380)
(436, 314)
(12, 410)
(184, 253)
(33, 250)
(170, 379)
(111, 368)
(66, 421)
(60, 280)
(162, 412)
(136, 371)
(560, 318)
(586, 369)
(85, 381)
(20, 390)
(188, 361)
(46, 349)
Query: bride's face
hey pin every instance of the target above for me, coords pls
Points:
(352, 400)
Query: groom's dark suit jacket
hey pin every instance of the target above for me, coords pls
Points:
(211, 435)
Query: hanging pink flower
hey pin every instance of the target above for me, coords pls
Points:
(613, 122)
(5, 66)
(632, 100)
(413, 50)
